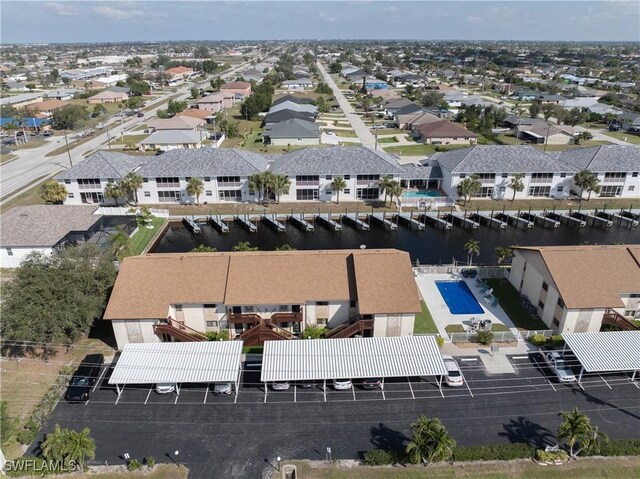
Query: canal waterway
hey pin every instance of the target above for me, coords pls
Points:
(431, 246)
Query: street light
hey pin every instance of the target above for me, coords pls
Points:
(177, 453)
(278, 459)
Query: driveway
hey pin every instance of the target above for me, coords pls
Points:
(600, 136)
(364, 133)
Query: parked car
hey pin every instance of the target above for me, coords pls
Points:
(86, 376)
(342, 384)
(372, 383)
(280, 385)
(48, 133)
(20, 133)
(306, 384)
(165, 388)
(140, 115)
(221, 388)
(454, 375)
(559, 367)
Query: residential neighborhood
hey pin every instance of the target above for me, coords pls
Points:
(320, 240)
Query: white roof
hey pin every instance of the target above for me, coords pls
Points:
(608, 351)
(188, 362)
(386, 357)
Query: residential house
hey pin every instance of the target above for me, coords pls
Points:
(178, 122)
(216, 102)
(515, 121)
(542, 132)
(107, 96)
(166, 140)
(609, 286)
(239, 89)
(22, 100)
(297, 107)
(179, 74)
(205, 115)
(271, 119)
(311, 171)
(444, 132)
(294, 131)
(62, 94)
(299, 84)
(48, 106)
(305, 288)
(295, 99)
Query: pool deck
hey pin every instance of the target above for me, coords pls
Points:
(440, 312)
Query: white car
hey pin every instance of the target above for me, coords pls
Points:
(165, 388)
(342, 384)
(454, 376)
(559, 367)
(280, 386)
(221, 388)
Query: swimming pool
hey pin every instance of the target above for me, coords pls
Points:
(421, 194)
(459, 297)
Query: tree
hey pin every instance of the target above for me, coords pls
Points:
(548, 109)
(583, 136)
(335, 67)
(314, 332)
(244, 246)
(209, 66)
(586, 180)
(195, 92)
(324, 89)
(560, 113)
(385, 184)
(323, 106)
(68, 446)
(203, 248)
(473, 248)
(56, 298)
(255, 184)
(216, 83)
(69, 117)
(53, 192)
(433, 98)
(99, 109)
(130, 184)
(114, 191)
(135, 103)
(534, 109)
(516, 183)
(395, 191)
(574, 116)
(503, 254)
(469, 187)
(201, 51)
(137, 87)
(576, 429)
(430, 441)
(195, 187)
(175, 107)
(338, 185)
(281, 184)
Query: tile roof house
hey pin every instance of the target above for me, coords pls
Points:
(217, 101)
(240, 89)
(108, 97)
(196, 113)
(611, 286)
(318, 288)
(47, 107)
(444, 132)
(541, 133)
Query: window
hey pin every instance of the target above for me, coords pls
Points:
(229, 181)
(545, 286)
(145, 180)
(168, 196)
(463, 175)
(329, 191)
(563, 175)
(67, 182)
(559, 189)
(283, 307)
(208, 193)
(541, 177)
(187, 179)
(367, 179)
(540, 305)
(560, 303)
(610, 190)
(230, 195)
(248, 309)
(486, 176)
(347, 191)
(178, 307)
(9, 252)
(348, 177)
(89, 184)
(352, 304)
(505, 175)
(70, 195)
(321, 321)
(322, 303)
(367, 193)
(634, 174)
(631, 188)
(307, 180)
(539, 190)
(207, 178)
(209, 306)
(168, 182)
(212, 324)
(328, 177)
(91, 197)
(629, 312)
(306, 194)
(614, 177)
(556, 322)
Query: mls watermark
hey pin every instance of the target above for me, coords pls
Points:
(38, 465)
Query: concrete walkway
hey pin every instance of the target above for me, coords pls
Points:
(600, 136)
(364, 134)
(496, 363)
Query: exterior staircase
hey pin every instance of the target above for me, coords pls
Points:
(348, 330)
(178, 331)
(614, 318)
(264, 331)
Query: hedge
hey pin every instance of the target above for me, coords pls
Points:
(620, 447)
(494, 452)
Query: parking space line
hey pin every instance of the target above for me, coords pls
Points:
(206, 393)
(635, 383)
(104, 370)
(384, 398)
(235, 399)
(118, 398)
(353, 390)
(148, 394)
(176, 401)
(295, 393)
(465, 383)
(411, 387)
(605, 382)
(545, 375)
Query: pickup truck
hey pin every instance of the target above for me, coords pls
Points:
(559, 367)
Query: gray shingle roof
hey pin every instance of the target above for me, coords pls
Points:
(413, 172)
(336, 160)
(173, 137)
(205, 162)
(104, 165)
(621, 158)
(296, 99)
(44, 225)
(295, 128)
(290, 105)
(500, 159)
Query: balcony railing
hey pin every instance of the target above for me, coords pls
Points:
(614, 180)
(286, 317)
(82, 186)
(308, 183)
(235, 318)
(229, 183)
(541, 181)
(168, 185)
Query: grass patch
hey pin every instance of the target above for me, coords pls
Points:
(7, 158)
(507, 140)
(620, 135)
(345, 133)
(30, 196)
(454, 328)
(411, 150)
(139, 241)
(510, 303)
(111, 107)
(391, 131)
(123, 140)
(585, 144)
(424, 321)
(33, 143)
(72, 144)
(253, 349)
(392, 139)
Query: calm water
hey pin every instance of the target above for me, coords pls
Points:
(432, 246)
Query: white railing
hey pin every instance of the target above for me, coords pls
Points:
(441, 269)
(499, 336)
(124, 211)
(430, 203)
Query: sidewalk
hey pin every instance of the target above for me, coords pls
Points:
(496, 363)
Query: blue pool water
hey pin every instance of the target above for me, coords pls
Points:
(421, 194)
(459, 297)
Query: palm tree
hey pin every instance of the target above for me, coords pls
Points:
(114, 191)
(586, 180)
(268, 184)
(576, 428)
(244, 246)
(281, 185)
(503, 254)
(53, 447)
(516, 184)
(79, 446)
(255, 184)
(131, 183)
(395, 190)
(338, 184)
(473, 248)
(430, 441)
(469, 187)
(385, 185)
(195, 187)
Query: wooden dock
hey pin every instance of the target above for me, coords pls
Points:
(409, 220)
(218, 224)
(191, 225)
(298, 220)
(354, 219)
(246, 223)
(327, 221)
(381, 219)
(272, 220)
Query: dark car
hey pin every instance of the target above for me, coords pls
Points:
(48, 133)
(85, 378)
(371, 383)
(140, 115)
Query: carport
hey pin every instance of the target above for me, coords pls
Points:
(178, 363)
(603, 352)
(351, 358)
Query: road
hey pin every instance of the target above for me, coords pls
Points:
(364, 133)
(32, 164)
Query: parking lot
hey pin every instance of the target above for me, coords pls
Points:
(532, 375)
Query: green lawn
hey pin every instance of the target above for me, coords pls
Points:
(410, 150)
(140, 240)
(459, 328)
(123, 140)
(424, 323)
(621, 135)
(392, 139)
(510, 303)
(507, 140)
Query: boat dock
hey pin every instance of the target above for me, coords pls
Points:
(272, 220)
(326, 220)
(627, 217)
(409, 220)
(577, 217)
(299, 221)
(218, 224)
(602, 218)
(191, 225)
(354, 219)
(438, 220)
(489, 219)
(381, 219)
(246, 223)
(464, 220)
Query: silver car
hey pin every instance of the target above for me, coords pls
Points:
(221, 388)
(342, 384)
(280, 385)
(165, 388)
(559, 367)
(454, 376)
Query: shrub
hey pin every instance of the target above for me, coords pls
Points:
(314, 332)
(485, 337)
(133, 465)
(496, 452)
(557, 340)
(149, 461)
(378, 457)
(538, 340)
(620, 447)
(551, 456)
(440, 341)
(217, 335)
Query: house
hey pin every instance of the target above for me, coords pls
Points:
(47, 107)
(394, 105)
(306, 288)
(547, 276)
(83, 74)
(294, 106)
(515, 121)
(617, 167)
(22, 100)
(197, 113)
(299, 84)
(495, 165)
(179, 74)
(181, 122)
(224, 171)
(165, 140)
(111, 80)
(63, 94)
(526, 95)
(415, 119)
(239, 89)
(294, 131)
(311, 171)
(43, 228)
(293, 98)
(107, 96)
(85, 181)
(216, 102)
(372, 83)
(444, 132)
(542, 132)
(271, 119)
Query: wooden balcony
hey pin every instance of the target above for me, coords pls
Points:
(178, 331)
(237, 318)
(613, 318)
(286, 318)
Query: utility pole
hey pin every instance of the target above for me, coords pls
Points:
(68, 152)
(546, 140)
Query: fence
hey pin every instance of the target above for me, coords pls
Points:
(484, 272)
(499, 337)
(122, 211)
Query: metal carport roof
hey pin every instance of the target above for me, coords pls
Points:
(188, 362)
(351, 358)
(606, 351)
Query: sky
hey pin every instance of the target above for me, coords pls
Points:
(64, 21)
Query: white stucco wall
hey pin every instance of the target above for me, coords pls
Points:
(18, 254)
(134, 331)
